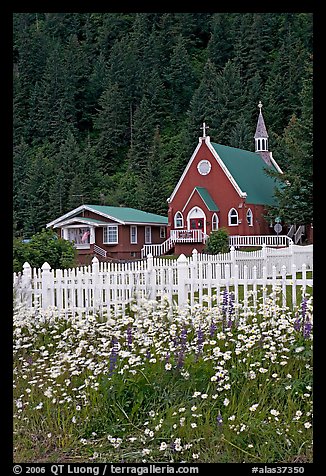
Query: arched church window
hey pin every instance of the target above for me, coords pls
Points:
(215, 222)
(233, 217)
(249, 217)
(178, 220)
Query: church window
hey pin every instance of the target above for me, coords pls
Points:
(178, 220)
(204, 167)
(215, 222)
(249, 217)
(233, 217)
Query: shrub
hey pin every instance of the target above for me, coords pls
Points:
(44, 246)
(218, 242)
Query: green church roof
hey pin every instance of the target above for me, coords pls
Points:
(211, 205)
(249, 171)
(129, 215)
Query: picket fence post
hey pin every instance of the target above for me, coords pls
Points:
(96, 283)
(194, 263)
(182, 270)
(47, 286)
(27, 282)
(232, 254)
(151, 291)
(264, 257)
(292, 258)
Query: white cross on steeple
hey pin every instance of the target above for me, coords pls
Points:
(204, 127)
(260, 105)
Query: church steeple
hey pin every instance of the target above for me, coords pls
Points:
(261, 136)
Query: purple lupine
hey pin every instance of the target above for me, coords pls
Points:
(113, 356)
(307, 328)
(200, 340)
(181, 354)
(297, 324)
(180, 359)
(231, 304)
(183, 337)
(304, 308)
(212, 329)
(225, 302)
(167, 358)
(129, 335)
(231, 310)
(148, 354)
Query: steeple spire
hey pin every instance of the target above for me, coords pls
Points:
(261, 136)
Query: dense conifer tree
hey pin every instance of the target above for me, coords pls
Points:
(91, 89)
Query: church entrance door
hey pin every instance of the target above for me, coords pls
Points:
(196, 223)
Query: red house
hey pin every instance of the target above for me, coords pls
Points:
(222, 187)
(110, 232)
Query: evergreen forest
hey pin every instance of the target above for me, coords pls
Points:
(107, 107)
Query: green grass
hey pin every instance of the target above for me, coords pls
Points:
(74, 402)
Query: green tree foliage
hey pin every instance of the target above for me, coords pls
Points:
(217, 242)
(295, 196)
(180, 78)
(91, 89)
(44, 246)
(153, 197)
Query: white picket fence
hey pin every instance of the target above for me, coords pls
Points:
(102, 286)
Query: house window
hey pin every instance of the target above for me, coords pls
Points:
(162, 232)
(249, 217)
(215, 222)
(148, 235)
(233, 217)
(80, 236)
(110, 234)
(178, 220)
(133, 234)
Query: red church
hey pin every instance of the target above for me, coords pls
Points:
(222, 187)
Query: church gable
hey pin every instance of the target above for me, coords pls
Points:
(206, 173)
(200, 195)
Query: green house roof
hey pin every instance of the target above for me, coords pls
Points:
(211, 205)
(129, 215)
(249, 171)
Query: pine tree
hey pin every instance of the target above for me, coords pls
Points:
(153, 198)
(220, 46)
(180, 78)
(112, 124)
(39, 177)
(295, 197)
(203, 106)
(143, 128)
(20, 192)
(241, 134)
(67, 164)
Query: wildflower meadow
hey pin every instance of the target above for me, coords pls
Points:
(221, 383)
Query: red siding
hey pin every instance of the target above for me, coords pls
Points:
(222, 192)
(124, 249)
